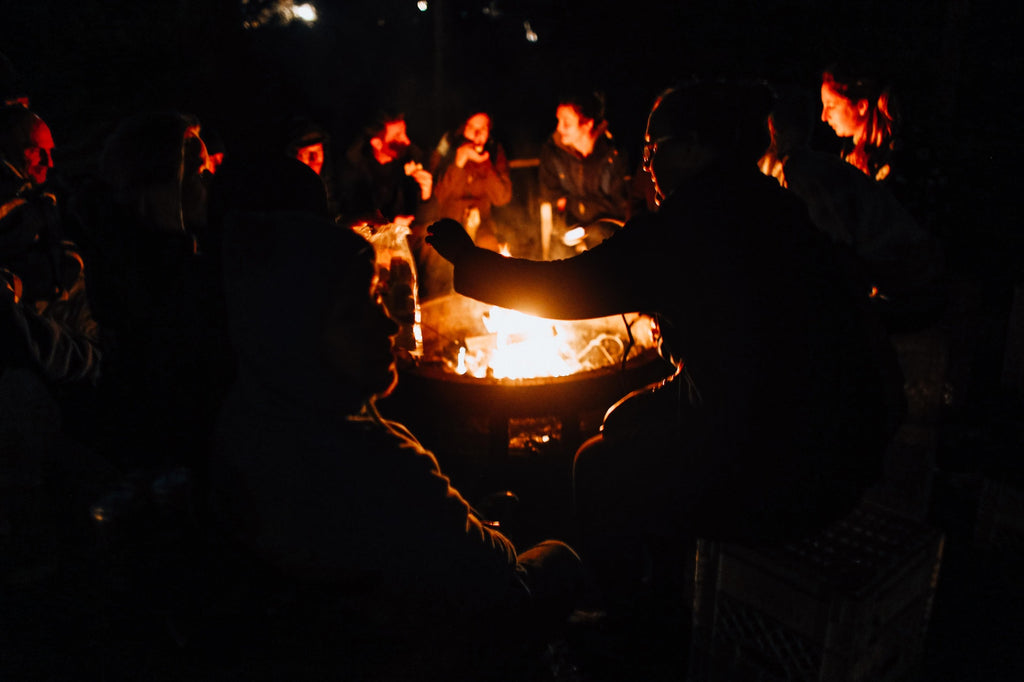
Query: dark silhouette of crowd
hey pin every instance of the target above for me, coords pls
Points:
(195, 339)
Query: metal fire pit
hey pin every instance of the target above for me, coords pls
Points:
(431, 393)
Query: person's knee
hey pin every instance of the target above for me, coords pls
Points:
(553, 573)
(590, 470)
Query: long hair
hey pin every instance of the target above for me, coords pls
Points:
(872, 152)
(443, 155)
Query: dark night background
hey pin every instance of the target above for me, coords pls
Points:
(952, 62)
(955, 64)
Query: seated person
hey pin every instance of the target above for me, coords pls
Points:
(383, 179)
(473, 176)
(47, 324)
(309, 143)
(152, 294)
(902, 261)
(582, 173)
(862, 112)
(384, 185)
(310, 480)
(780, 409)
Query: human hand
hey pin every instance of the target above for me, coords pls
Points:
(422, 177)
(470, 152)
(450, 239)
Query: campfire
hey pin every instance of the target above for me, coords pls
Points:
(470, 369)
(462, 336)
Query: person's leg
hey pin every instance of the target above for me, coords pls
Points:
(553, 573)
(620, 496)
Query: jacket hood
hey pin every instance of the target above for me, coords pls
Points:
(282, 273)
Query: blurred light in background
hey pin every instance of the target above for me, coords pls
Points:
(260, 13)
(530, 35)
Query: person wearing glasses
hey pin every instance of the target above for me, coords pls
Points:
(785, 391)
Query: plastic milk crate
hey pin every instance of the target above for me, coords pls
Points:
(850, 604)
(1000, 520)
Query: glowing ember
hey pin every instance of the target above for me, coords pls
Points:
(574, 236)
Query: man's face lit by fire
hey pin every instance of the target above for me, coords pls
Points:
(573, 131)
(358, 340)
(38, 156)
(394, 142)
(846, 117)
(477, 129)
(312, 155)
(673, 152)
(655, 136)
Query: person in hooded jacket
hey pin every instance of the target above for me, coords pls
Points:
(153, 295)
(309, 480)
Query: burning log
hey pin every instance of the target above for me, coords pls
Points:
(465, 337)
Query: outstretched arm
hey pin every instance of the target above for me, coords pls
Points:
(599, 282)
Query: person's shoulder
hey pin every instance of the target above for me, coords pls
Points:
(550, 147)
(383, 433)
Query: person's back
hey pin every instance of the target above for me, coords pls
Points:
(772, 339)
(309, 480)
(151, 294)
(781, 409)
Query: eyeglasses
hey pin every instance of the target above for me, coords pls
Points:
(651, 148)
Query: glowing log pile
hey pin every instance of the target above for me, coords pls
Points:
(466, 337)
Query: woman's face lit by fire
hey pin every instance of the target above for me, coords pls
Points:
(573, 130)
(358, 339)
(477, 129)
(848, 118)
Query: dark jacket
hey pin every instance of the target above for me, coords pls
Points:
(303, 477)
(595, 186)
(755, 302)
(50, 328)
(475, 185)
(166, 360)
(376, 193)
